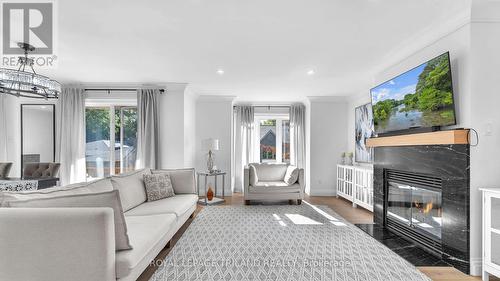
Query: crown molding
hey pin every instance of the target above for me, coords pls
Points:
(215, 98)
(333, 99)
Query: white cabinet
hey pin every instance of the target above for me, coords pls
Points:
(491, 232)
(355, 183)
(345, 181)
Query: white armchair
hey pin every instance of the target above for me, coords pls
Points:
(266, 182)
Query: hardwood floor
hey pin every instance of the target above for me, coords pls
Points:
(340, 206)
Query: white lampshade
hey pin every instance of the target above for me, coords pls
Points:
(210, 144)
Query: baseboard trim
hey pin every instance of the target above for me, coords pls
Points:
(322, 192)
(476, 266)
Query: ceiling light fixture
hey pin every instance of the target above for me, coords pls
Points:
(23, 83)
(220, 71)
(311, 72)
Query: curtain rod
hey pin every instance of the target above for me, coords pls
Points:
(267, 106)
(115, 89)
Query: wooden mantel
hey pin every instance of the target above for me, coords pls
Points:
(433, 138)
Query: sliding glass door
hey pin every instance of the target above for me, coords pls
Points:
(111, 140)
(126, 136)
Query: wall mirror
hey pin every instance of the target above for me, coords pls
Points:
(37, 133)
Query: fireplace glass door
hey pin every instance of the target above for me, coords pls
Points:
(416, 207)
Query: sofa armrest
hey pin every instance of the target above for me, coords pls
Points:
(246, 179)
(57, 244)
(302, 182)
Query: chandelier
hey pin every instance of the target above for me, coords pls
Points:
(29, 84)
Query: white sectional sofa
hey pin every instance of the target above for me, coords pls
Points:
(76, 244)
(267, 182)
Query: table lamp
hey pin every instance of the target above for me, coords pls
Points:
(210, 145)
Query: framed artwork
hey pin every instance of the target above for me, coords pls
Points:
(363, 131)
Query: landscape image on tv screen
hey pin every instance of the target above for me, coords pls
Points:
(421, 97)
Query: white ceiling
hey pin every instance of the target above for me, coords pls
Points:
(265, 47)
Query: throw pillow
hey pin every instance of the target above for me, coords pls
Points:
(291, 175)
(158, 186)
(110, 199)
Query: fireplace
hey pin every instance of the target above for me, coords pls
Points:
(421, 193)
(414, 207)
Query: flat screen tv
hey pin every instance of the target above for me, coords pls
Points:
(419, 98)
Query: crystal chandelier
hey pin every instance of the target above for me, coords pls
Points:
(21, 83)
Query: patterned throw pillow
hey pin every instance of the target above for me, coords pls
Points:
(158, 186)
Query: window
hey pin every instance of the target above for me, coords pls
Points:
(274, 138)
(111, 140)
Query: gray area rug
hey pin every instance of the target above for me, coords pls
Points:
(297, 242)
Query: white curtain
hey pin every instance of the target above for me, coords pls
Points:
(3, 128)
(298, 135)
(148, 134)
(70, 135)
(243, 143)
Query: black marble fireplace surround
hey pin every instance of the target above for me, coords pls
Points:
(450, 163)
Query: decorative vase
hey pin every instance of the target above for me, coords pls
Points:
(210, 161)
(349, 160)
(210, 194)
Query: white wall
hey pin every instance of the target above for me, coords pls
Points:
(172, 127)
(214, 120)
(177, 127)
(484, 111)
(473, 47)
(328, 129)
(189, 129)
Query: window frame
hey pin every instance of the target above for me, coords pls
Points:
(279, 117)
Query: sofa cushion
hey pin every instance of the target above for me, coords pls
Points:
(291, 175)
(131, 187)
(178, 205)
(97, 186)
(274, 187)
(148, 235)
(270, 171)
(158, 186)
(182, 180)
(109, 199)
